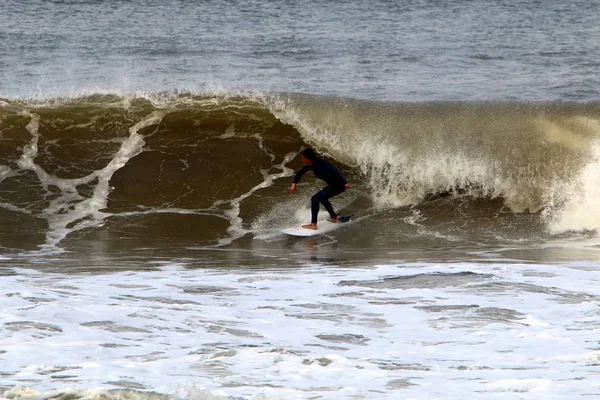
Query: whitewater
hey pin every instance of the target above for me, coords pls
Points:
(409, 330)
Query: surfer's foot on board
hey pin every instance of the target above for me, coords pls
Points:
(310, 226)
(334, 220)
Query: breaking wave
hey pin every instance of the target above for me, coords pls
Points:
(70, 166)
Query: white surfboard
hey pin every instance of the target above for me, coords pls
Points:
(323, 227)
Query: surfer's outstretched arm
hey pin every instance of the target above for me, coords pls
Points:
(299, 175)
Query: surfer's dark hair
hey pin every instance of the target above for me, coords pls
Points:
(309, 153)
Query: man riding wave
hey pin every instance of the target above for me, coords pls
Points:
(336, 184)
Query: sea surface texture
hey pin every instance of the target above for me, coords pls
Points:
(146, 149)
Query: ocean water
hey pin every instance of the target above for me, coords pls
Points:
(146, 149)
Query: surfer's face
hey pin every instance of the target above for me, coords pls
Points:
(305, 161)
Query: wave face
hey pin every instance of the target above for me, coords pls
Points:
(210, 167)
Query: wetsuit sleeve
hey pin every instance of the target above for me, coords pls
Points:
(300, 173)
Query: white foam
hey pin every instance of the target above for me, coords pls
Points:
(26, 393)
(5, 172)
(538, 386)
(581, 210)
(302, 333)
(70, 211)
(229, 132)
(236, 229)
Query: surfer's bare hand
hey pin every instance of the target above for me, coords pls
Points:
(292, 189)
(348, 185)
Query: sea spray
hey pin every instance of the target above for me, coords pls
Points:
(580, 211)
(409, 151)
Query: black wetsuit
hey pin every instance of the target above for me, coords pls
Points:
(332, 176)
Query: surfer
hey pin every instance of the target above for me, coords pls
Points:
(323, 169)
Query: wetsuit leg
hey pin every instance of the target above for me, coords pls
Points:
(323, 197)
